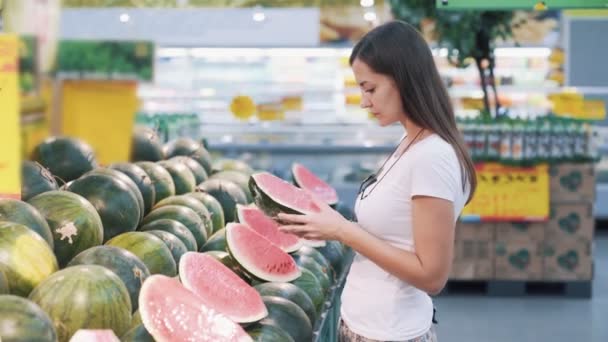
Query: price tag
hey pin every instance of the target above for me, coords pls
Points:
(507, 193)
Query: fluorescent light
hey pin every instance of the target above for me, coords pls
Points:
(259, 16)
(367, 3)
(370, 16)
(124, 18)
(523, 52)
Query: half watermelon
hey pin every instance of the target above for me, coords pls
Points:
(259, 256)
(170, 312)
(306, 179)
(268, 228)
(274, 195)
(220, 288)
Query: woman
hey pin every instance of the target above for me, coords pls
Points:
(407, 211)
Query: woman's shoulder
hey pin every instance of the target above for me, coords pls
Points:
(434, 147)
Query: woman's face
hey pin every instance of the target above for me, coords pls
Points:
(379, 94)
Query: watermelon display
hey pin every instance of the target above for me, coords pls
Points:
(214, 207)
(141, 180)
(189, 148)
(23, 320)
(217, 242)
(309, 283)
(227, 193)
(4, 289)
(94, 335)
(182, 176)
(238, 178)
(289, 317)
(334, 253)
(84, 297)
(175, 245)
(23, 213)
(124, 178)
(226, 164)
(175, 228)
(310, 264)
(268, 228)
(25, 258)
(268, 332)
(185, 216)
(35, 179)
(198, 171)
(66, 158)
(306, 179)
(170, 312)
(193, 204)
(290, 292)
(113, 200)
(160, 178)
(258, 256)
(224, 291)
(146, 145)
(127, 266)
(74, 222)
(274, 195)
(137, 334)
(151, 250)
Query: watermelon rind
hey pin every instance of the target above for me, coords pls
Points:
(198, 171)
(150, 249)
(238, 178)
(183, 179)
(214, 207)
(35, 179)
(141, 180)
(23, 213)
(296, 170)
(187, 201)
(289, 316)
(161, 179)
(217, 242)
(137, 334)
(175, 245)
(189, 148)
(24, 320)
(271, 206)
(310, 264)
(183, 215)
(268, 332)
(127, 180)
(174, 227)
(146, 145)
(290, 292)
(309, 283)
(227, 193)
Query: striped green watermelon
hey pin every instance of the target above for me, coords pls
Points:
(290, 292)
(4, 289)
(23, 213)
(318, 257)
(226, 164)
(214, 207)
(75, 223)
(227, 193)
(267, 332)
(217, 242)
(35, 179)
(84, 297)
(175, 245)
(192, 203)
(146, 145)
(334, 253)
(309, 283)
(238, 178)
(151, 250)
(142, 180)
(161, 179)
(137, 334)
(289, 317)
(274, 195)
(66, 158)
(124, 178)
(198, 171)
(127, 266)
(136, 319)
(190, 148)
(23, 320)
(183, 215)
(182, 176)
(25, 258)
(175, 228)
(114, 201)
(313, 266)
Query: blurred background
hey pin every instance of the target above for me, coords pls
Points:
(267, 83)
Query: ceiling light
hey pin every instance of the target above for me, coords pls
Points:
(367, 3)
(124, 18)
(370, 16)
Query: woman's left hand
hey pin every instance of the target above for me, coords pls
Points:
(327, 224)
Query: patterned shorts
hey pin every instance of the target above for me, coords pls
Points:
(347, 335)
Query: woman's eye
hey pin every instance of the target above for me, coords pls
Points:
(371, 91)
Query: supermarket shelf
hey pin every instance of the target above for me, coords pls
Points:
(519, 288)
(232, 148)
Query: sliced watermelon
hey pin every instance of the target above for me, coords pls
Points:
(274, 195)
(93, 335)
(306, 179)
(268, 228)
(220, 288)
(258, 256)
(170, 312)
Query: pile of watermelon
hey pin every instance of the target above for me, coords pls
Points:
(172, 246)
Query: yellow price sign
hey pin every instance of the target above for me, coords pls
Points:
(10, 150)
(507, 193)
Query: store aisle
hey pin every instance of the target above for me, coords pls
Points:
(483, 319)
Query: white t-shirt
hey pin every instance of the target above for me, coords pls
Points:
(376, 304)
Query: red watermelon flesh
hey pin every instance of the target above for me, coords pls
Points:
(306, 179)
(93, 335)
(220, 288)
(172, 313)
(268, 228)
(284, 193)
(258, 256)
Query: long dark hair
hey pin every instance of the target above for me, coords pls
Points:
(397, 49)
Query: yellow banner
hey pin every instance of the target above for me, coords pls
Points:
(507, 193)
(10, 144)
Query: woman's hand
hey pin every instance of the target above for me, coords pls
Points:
(327, 224)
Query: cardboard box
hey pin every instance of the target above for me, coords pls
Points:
(568, 261)
(572, 182)
(571, 221)
(518, 260)
(520, 231)
(479, 231)
(473, 260)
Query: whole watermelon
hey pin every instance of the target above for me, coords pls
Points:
(215, 209)
(4, 289)
(75, 223)
(183, 215)
(23, 320)
(309, 283)
(182, 176)
(174, 227)
(238, 178)
(23, 213)
(161, 179)
(137, 334)
(124, 178)
(66, 158)
(151, 250)
(84, 297)
(226, 164)
(25, 258)
(146, 145)
(290, 292)
(35, 179)
(189, 148)
(200, 175)
(192, 203)
(127, 266)
(267, 332)
(290, 317)
(142, 180)
(217, 242)
(113, 200)
(175, 245)
(227, 193)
